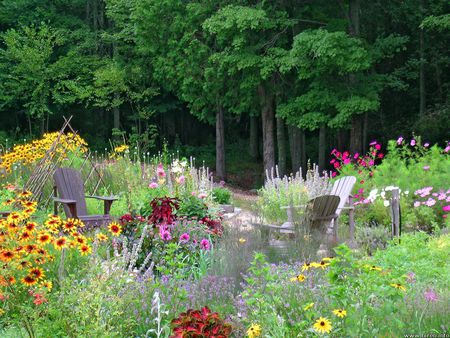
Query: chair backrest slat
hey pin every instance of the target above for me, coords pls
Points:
(70, 186)
(325, 206)
(343, 188)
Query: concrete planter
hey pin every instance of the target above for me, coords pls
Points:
(227, 208)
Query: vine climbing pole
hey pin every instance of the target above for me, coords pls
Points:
(66, 150)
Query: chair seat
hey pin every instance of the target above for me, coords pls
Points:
(94, 221)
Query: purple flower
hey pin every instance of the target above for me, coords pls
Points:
(426, 167)
(413, 142)
(165, 236)
(426, 145)
(430, 295)
(204, 244)
(372, 143)
(400, 140)
(184, 238)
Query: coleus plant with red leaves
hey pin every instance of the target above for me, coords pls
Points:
(163, 210)
(200, 323)
(214, 226)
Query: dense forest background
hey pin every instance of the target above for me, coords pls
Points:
(243, 84)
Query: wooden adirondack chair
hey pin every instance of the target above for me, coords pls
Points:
(343, 188)
(69, 185)
(318, 213)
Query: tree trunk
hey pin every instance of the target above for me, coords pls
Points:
(356, 135)
(267, 116)
(281, 143)
(295, 148)
(116, 113)
(322, 147)
(254, 147)
(303, 152)
(220, 145)
(364, 133)
(354, 29)
(422, 98)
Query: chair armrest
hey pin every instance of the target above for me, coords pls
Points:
(107, 200)
(104, 198)
(71, 204)
(64, 201)
(293, 206)
(348, 208)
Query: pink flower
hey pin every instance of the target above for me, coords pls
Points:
(222, 183)
(165, 236)
(160, 171)
(372, 143)
(400, 140)
(413, 142)
(334, 174)
(416, 204)
(430, 295)
(426, 145)
(356, 156)
(193, 193)
(180, 180)
(426, 167)
(204, 244)
(377, 147)
(371, 163)
(447, 149)
(153, 185)
(184, 238)
(347, 161)
(430, 202)
(332, 161)
(202, 195)
(441, 196)
(446, 208)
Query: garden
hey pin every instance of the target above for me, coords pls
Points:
(170, 263)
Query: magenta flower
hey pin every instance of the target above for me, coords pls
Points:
(447, 149)
(426, 167)
(446, 208)
(165, 236)
(413, 142)
(334, 174)
(377, 147)
(153, 185)
(372, 143)
(184, 238)
(430, 295)
(160, 171)
(204, 244)
(356, 156)
(347, 161)
(400, 140)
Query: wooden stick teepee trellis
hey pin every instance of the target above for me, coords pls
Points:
(58, 154)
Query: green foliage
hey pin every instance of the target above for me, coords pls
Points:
(221, 195)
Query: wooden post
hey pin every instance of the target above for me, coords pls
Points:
(351, 218)
(395, 212)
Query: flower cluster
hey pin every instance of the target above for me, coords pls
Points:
(35, 150)
(365, 165)
(440, 200)
(25, 248)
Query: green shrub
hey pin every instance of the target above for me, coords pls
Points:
(221, 195)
